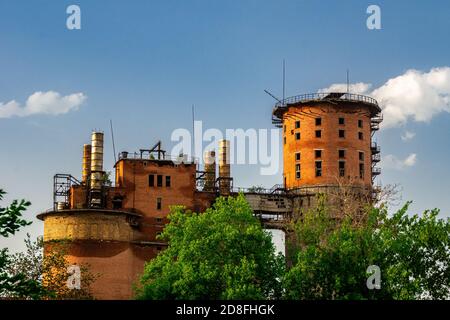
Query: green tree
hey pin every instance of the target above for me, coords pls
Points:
(14, 285)
(50, 270)
(223, 253)
(330, 257)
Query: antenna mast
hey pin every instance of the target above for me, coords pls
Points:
(284, 80)
(273, 96)
(193, 133)
(348, 82)
(114, 145)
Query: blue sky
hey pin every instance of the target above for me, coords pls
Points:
(144, 63)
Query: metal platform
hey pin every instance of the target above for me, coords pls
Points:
(333, 97)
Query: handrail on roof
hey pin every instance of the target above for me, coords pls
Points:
(325, 96)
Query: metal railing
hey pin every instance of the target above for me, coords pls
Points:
(276, 189)
(150, 157)
(326, 95)
(375, 148)
(376, 171)
(376, 157)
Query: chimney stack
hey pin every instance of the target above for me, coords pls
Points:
(224, 167)
(96, 168)
(86, 170)
(209, 158)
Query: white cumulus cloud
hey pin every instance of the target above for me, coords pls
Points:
(49, 103)
(408, 135)
(414, 95)
(392, 162)
(359, 88)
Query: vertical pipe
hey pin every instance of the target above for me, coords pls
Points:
(86, 170)
(97, 161)
(209, 158)
(224, 167)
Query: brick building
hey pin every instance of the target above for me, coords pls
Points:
(327, 137)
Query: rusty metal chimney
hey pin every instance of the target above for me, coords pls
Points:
(209, 157)
(224, 167)
(96, 168)
(86, 170)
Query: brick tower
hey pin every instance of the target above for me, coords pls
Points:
(327, 138)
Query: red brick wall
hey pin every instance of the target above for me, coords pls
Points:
(329, 143)
(117, 265)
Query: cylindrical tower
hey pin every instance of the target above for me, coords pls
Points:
(209, 158)
(96, 168)
(86, 170)
(224, 167)
(101, 240)
(327, 139)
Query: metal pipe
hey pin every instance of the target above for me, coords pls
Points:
(97, 161)
(209, 158)
(224, 167)
(86, 169)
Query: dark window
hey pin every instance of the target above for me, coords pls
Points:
(158, 203)
(297, 156)
(361, 156)
(318, 168)
(297, 171)
(360, 123)
(158, 248)
(297, 124)
(318, 133)
(297, 136)
(318, 121)
(318, 153)
(117, 202)
(342, 168)
(360, 135)
(341, 133)
(167, 181)
(284, 140)
(361, 170)
(158, 219)
(341, 121)
(151, 180)
(341, 153)
(284, 128)
(159, 180)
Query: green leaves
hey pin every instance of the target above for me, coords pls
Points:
(222, 253)
(413, 253)
(14, 284)
(10, 217)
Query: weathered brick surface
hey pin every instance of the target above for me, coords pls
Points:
(116, 265)
(106, 241)
(329, 143)
(87, 225)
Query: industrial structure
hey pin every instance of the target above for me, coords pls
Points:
(113, 227)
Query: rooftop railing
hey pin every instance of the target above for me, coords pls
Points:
(325, 96)
(151, 157)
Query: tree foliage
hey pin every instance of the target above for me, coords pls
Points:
(50, 270)
(331, 256)
(222, 253)
(31, 275)
(11, 217)
(17, 285)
